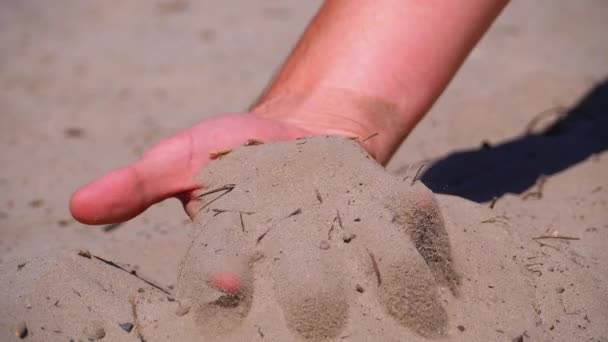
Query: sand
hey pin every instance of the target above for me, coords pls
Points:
(326, 246)
(88, 86)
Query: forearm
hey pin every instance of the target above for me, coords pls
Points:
(366, 67)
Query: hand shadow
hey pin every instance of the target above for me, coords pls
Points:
(514, 166)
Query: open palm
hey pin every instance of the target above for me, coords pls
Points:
(169, 168)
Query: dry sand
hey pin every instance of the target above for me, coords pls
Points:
(87, 86)
(328, 246)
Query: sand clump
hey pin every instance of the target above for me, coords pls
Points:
(312, 240)
(300, 200)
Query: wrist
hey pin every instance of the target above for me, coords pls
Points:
(343, 112)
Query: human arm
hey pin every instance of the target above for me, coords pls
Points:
(365, 67)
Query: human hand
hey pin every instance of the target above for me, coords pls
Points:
(169, 168)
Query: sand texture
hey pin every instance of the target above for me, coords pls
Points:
(89, 86)
(326, 246)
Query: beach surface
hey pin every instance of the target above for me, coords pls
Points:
(514, 151)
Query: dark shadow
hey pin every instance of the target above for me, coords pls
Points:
(514, 166)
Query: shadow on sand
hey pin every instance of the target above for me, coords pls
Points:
(569, 136)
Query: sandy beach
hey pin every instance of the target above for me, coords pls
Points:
(507, 176)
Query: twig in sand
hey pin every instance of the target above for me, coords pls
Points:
(294, 213)
(221, 211)
(409, 166)
(253, 142)
(375, 267)
(497, 219)
(361, 141)
(546, 245)
(418, 173)
(218, 211)
(331, 229)
(538, 193)
(242, 223)
(557, 112)
(225, 188)
(339, 219)
(493, 203)
(131, 272)
(319, 198)
(138, 329)
(562, 237)
(257, 241)
(218, 154)
(369, 137)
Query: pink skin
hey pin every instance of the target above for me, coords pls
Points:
(169, 168)
(228, 283)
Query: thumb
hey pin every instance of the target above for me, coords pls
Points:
(122, 194)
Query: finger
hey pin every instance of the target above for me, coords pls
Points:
(126, 192)
(228, 283)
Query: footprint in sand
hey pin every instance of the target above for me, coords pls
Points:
(307, 226)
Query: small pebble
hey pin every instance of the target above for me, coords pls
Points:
(95, 332)
(36, 203)
(84, 253)
(460, 327)
(324, 245)
(63, 223)
(126, 326)
(21, 330)
(348, 237)
(182, 310)
(73, 132)
(519, 338)
(359, 288)
(560, 289)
